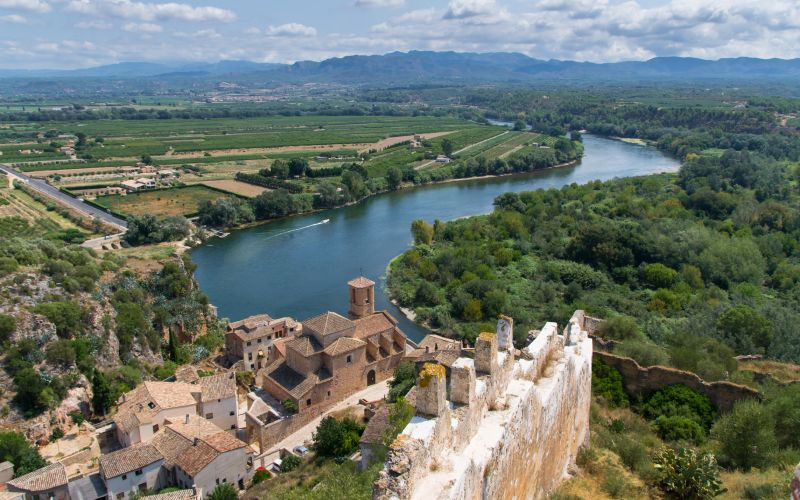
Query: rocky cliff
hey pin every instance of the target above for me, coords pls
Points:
(512, 427)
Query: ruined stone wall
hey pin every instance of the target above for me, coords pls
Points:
(512, 428)
(642, 381)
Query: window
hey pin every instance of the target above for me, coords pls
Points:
(155, 428)
(139, 472)
(329, 393)
(252, 366)
(258, 341)
(124, 477)
(209, 416)
(151, 405)
(120, 495)
(249, 356)
(142, 487)
(233, 426)
(349, 358)
(224, 480)
(308, 402)
(231, 413)
(217, 480)
(248, 342)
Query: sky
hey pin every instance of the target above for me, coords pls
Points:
(37, 34)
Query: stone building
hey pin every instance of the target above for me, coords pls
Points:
(336, 356)
(132, 471)
(252, 339)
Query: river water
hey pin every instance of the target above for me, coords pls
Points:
(298, 267)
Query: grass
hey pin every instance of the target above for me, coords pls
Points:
(161, 202)
(783, 372)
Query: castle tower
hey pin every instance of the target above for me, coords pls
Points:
(362, 297)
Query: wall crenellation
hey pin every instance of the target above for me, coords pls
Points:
(512, 426)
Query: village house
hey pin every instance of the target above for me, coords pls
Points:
(336, 356)
(132, 471)
(143, 411)
(252, 339)
(442, 159)
(48, 483)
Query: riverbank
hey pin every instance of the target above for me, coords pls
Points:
(402, 187)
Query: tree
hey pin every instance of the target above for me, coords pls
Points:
(328, 195)
(297, 167)
(400, 414)
(447, 146)
(289, 406)
(15, 449)
(659, 276)
(422, 232)
(688, 474)
(261, 475)
(147, 159)
(290, 462)
(744, 329)
(7, 326)
(66, 316)
(394, 176)
(746, 436)
(336, 438)
(102, 396)
(519, 125)
(402, 382)
(224, 491)
(279, 169)
(61, 353)
(355, 183)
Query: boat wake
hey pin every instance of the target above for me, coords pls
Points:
(323, 221)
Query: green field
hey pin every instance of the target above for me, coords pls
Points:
(174, 201)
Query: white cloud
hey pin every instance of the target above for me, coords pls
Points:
(291, 29)
(252, 31)
(97, 25)
(13, 18)
(142, 11)
(31, 5)
(379, 3)
(143, 28)
(462, 9)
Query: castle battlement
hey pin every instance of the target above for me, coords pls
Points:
(511, 427)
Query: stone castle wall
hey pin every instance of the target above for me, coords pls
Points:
(512, 428)
(639, 380)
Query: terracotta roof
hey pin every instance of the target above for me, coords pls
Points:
(187, 373)
(361, 282)
(377, 425)
(343, 345)
(374, 323)
(128, 459)
(280, 345)
(144, 402)
(47, 478)
(194, 426)
(446, 357)
(174, 495)
(328, 323)
(170, 444)
(432, 341)
(251, 322)
(296, 384)
(304, 345)
(195, 458)
(219, 386)
(223, 441)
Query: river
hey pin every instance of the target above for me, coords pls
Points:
(297, 267)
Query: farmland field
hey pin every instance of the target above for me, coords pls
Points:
(236, 187)
(176, 201)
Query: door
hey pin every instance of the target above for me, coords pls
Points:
(370, 377)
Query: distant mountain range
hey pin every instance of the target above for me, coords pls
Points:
(440, 67)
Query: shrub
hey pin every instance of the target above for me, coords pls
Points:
(659, 276)
(16, 449)
(289, 406)
(7, 326)
(678, 428)
(66, 316)
(224, 491)
(746, 436)
(679, 400)
(337, 438)
(620, 328)
(290, 463)
(645, 353)
(402, 382)
(77, 417)
(686, 473)
(607, 383)
(56, 434)
(261, 475)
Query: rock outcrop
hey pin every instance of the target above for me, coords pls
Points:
(511, 428)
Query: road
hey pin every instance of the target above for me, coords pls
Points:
(41, 186)
(304, 434)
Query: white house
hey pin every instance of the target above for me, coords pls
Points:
(48, 483)
(142, 411)
(217, 400)
(198, 454)
(131, 471)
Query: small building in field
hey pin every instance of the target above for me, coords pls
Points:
(442, 159)
(48, 483)
(131, 185)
